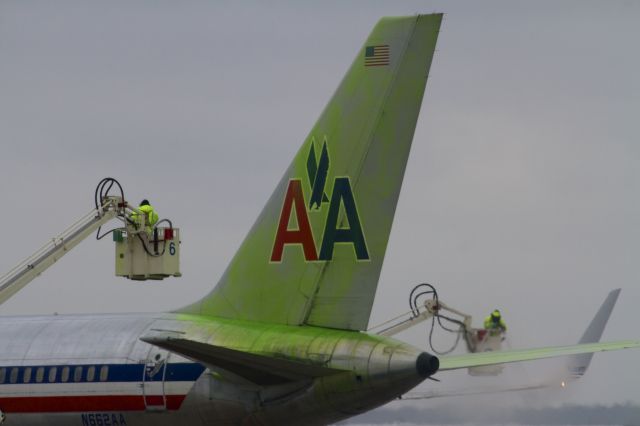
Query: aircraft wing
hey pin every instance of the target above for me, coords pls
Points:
(581, 354)
(454, 362)
(576, 352)
(410, 396)
(576, 366)
(258, 369)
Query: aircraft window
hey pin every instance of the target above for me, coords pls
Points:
(13, 377)
(65, 374)
(77, 374)
(40, 374)
(26, 377)
(91, 373)
(104, 373)
(3, 374)
(52, 374)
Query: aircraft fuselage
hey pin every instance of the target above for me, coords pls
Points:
(95, 370)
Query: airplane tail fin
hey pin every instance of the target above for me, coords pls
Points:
(315, 252)
(577, 365)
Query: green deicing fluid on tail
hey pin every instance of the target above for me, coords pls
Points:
(342, 188)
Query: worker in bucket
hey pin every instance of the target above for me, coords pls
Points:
(494, 323)
(150, 215)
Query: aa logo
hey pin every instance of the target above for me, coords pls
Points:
(341, 199)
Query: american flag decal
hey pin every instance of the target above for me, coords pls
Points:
(375, 56)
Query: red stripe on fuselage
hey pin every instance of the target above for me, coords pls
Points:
(63, 404)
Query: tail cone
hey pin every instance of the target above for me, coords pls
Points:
(427, 364)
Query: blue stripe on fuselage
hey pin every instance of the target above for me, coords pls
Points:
(175, 372)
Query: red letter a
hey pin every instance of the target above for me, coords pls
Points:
(303, 234)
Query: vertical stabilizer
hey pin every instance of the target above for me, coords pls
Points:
(315, 252)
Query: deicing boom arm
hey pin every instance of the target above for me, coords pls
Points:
(431, 308)
(23, 273)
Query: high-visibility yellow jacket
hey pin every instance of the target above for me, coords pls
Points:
(150, 213)
(151, 217)
(489, 323)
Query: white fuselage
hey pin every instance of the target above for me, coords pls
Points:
(93, 370)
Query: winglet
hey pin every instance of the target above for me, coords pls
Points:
(577, 365)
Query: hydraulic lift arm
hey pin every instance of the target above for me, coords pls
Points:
(23, 273)
(432, 307)
(459, 324)
(144, 250)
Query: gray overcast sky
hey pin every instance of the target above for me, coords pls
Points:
(521, 191)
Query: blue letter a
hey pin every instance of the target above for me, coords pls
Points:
(342, 194)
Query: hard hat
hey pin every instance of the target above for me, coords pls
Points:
(144, 202)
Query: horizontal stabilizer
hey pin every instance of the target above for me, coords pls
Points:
(455, 362)
(259, 369)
